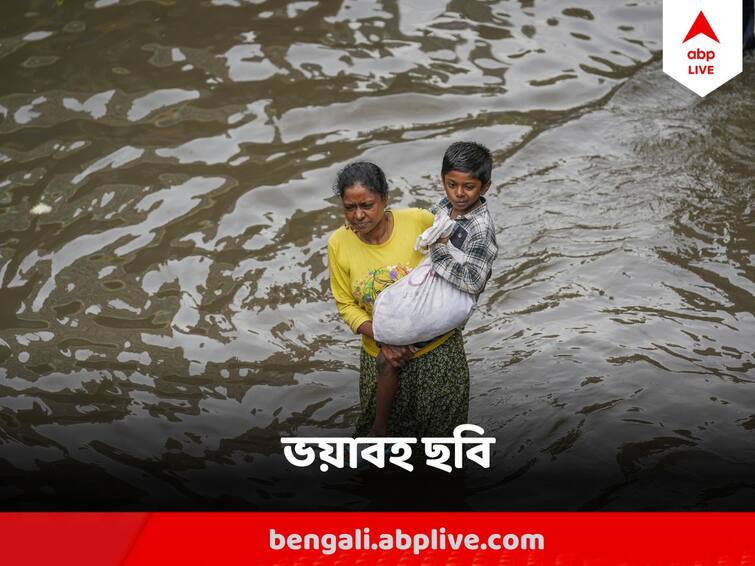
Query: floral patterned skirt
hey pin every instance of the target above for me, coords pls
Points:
(432, 396)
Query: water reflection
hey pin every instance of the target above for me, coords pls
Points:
(169, 318)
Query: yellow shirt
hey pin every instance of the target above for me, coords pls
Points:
(359, 271)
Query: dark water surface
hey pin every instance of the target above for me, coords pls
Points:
(169, 318)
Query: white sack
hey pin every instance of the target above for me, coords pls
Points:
(420, 306)
(442, 227)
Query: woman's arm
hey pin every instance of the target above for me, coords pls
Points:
(366, 329)
(355, 316)
(397, 356)
(340, 286)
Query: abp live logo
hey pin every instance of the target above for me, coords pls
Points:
(702, 42)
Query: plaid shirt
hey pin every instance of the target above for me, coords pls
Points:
(475, 237)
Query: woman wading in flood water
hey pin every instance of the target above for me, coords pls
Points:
(374, 249)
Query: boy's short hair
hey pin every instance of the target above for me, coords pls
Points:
(469, 157)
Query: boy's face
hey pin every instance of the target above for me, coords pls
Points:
(463, 190)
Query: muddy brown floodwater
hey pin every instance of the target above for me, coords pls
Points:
(167, 318)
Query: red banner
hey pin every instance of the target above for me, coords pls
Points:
(138, 539)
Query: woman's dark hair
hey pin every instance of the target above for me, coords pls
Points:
(364, 173)
(468, 157)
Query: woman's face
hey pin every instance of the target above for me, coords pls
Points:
(363, 208)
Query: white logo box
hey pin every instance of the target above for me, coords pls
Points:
(712, 52)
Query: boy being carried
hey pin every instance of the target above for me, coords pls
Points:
(465, 174)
